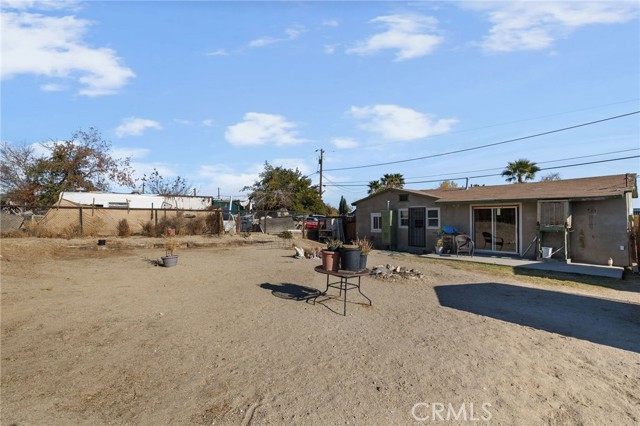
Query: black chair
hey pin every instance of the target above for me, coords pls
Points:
(490, 239)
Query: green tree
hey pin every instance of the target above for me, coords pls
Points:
(520, 171)
(343, 207)
(448, 184)
(157, 184)
(83, 161)
(395, 180)
(280, 188)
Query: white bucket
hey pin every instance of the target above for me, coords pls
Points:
(547, 252)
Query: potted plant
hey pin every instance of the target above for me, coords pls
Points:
(365, 248)
(331, 255)
(439, 245)
(170, 259)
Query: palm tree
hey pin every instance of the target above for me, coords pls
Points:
(520, 171)
(395, 180)
(374, 186)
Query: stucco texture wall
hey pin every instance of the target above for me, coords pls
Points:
(104, 221)
(599, 230)
(378, 203)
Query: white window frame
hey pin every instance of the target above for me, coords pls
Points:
(400, 225)
(427, 218)
(373, 216)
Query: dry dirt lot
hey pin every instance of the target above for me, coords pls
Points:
(106, 337)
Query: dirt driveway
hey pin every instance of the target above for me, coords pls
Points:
(106, 337)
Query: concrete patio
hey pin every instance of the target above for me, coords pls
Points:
(614, 272)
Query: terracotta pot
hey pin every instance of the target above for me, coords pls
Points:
(330, 260)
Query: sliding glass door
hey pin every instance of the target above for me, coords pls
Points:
(496, 228)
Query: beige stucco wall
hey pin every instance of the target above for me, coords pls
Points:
(104, 221)
(599, 230)
(378, 203)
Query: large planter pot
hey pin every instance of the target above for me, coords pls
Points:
(330, 260)
(169, 261)
(350, 258)
(363, 261)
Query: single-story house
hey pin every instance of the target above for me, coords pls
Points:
(586, 220)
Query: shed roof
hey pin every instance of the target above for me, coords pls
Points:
(613, 186)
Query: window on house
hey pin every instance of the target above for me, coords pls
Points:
(433, 218)
(403, 218)
(404, 197)
(376, 222)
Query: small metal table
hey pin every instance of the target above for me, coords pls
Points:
(343, 284)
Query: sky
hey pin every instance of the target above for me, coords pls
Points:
(210, 90)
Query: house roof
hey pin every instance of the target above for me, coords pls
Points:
(613, 186)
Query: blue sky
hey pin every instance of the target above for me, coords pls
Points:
(211, 90)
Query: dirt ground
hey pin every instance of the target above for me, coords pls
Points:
(104, 336)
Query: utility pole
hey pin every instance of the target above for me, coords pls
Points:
(320, 161)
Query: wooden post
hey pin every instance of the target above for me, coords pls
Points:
(81, 224)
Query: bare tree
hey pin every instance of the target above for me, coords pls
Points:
(550, 177)
(83, 161)
(16, 173)
(157, 184)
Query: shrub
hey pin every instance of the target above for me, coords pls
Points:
(196, 226)
(71, 231)
(148, 229)
(214, 223)
(124, 230)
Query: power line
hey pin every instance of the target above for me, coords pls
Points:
(499, 174)
(545, 168)
(502, 168)
(486, 145)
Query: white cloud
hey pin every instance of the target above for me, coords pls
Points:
(133, 126)
(207, 122)
(229, 181)
(218, 52)
(291, 163)
(260, 129)
(537, 25)
(40, 4)
(52, 87)
(330, 23)
(344, 143)
(411, 35)
(329, 49)
(393, 122)
(142, 169)
(54, 46)
(182, 121)
(292, 33)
